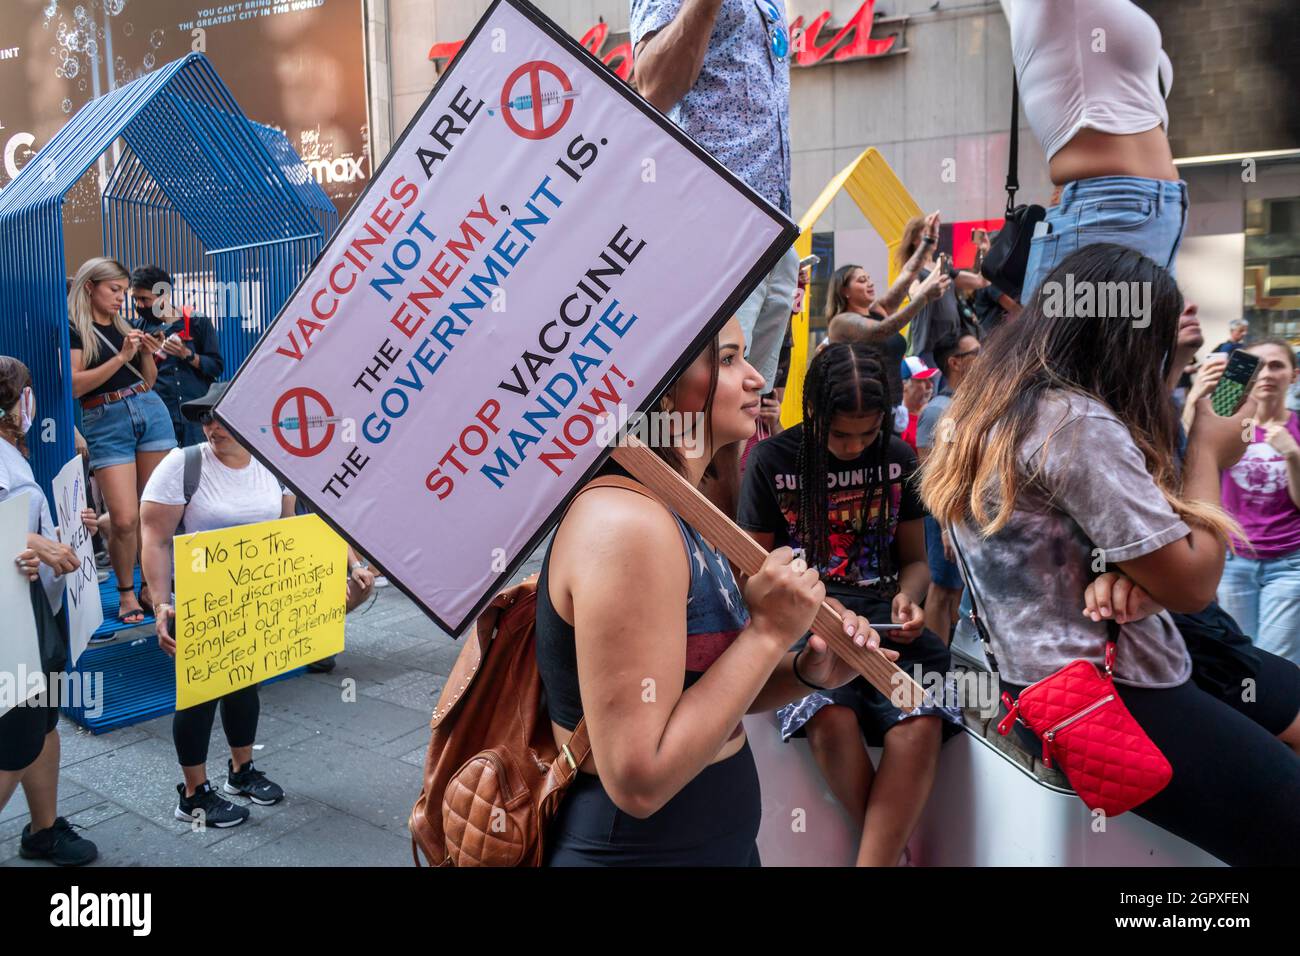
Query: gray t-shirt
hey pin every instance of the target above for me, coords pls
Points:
(928, 423)
(1093, 490)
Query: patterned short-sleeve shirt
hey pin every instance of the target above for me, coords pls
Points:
(739, 107)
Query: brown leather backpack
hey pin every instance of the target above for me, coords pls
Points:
(494, 778)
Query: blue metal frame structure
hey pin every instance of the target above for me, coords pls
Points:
(222, 203)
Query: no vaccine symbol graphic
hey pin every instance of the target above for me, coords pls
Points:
(308, 411)
(524, 110)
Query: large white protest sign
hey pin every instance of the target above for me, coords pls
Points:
(85, 612)
(21, 674)
(540, 248)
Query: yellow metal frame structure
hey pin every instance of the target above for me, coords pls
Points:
(885, 203)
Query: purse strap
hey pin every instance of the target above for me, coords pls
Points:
(975, 601)
(1112, 627)
(103, 338)
(1013, 158)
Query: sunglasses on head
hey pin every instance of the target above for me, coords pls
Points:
(776, 33)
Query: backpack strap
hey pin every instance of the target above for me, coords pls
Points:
(614, 481)
(193, 471)
(575, 752)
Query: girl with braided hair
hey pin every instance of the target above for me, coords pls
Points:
(839, 486)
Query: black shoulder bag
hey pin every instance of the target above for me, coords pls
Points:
(1004, 264)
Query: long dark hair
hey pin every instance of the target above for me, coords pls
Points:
(670, 454)
(1114, 360)
(845, 378)
(14, 377)
(836, 300)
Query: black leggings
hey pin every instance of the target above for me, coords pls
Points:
(1235, 787)
(192, 727)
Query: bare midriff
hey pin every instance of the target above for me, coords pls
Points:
(729, 749)
(1092, 153)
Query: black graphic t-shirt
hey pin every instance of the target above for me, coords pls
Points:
(769, 502)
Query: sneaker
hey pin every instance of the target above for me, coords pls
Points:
(322, 666)
(59, 844)
(253, 784)
(207, 807)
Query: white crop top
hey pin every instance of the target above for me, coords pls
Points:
(1087, 63)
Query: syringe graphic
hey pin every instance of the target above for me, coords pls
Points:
(525, 102)
(311, 421)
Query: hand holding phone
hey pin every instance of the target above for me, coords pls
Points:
(1235, 384)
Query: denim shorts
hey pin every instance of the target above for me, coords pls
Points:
(943, 572)
(875, 712)
(1148, 215)
(117, 431)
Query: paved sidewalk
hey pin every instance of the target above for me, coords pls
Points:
(348, 747)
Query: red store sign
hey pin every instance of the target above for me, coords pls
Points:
(853, 41)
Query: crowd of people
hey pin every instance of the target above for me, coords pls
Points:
(957, 448)
(157, 463)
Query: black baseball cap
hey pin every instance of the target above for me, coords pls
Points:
(196, 408)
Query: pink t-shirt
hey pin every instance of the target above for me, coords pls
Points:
(1255, 493)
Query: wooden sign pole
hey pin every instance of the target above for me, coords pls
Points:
(748, 555)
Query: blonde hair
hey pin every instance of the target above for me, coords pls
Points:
(80, 314)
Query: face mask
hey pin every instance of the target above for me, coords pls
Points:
(27, 404)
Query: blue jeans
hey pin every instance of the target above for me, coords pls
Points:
(1264, 597)
(1148, 215)
(765, 315)
(116, 431)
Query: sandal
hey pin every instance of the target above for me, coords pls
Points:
(135, 616)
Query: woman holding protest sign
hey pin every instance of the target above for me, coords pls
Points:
(29, 737)
(126, 424)
(643, 633)
(232, 489)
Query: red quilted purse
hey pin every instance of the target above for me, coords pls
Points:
(1085, 728)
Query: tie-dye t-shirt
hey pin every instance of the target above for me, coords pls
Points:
(769, 502)
(1090, 500)
(1255, 493)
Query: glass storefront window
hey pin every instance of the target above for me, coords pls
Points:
(1271, 294)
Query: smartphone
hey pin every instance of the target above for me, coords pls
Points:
(150, 325)
(807, 262)
(1238, 378)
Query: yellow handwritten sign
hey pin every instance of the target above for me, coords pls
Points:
(255, 601)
